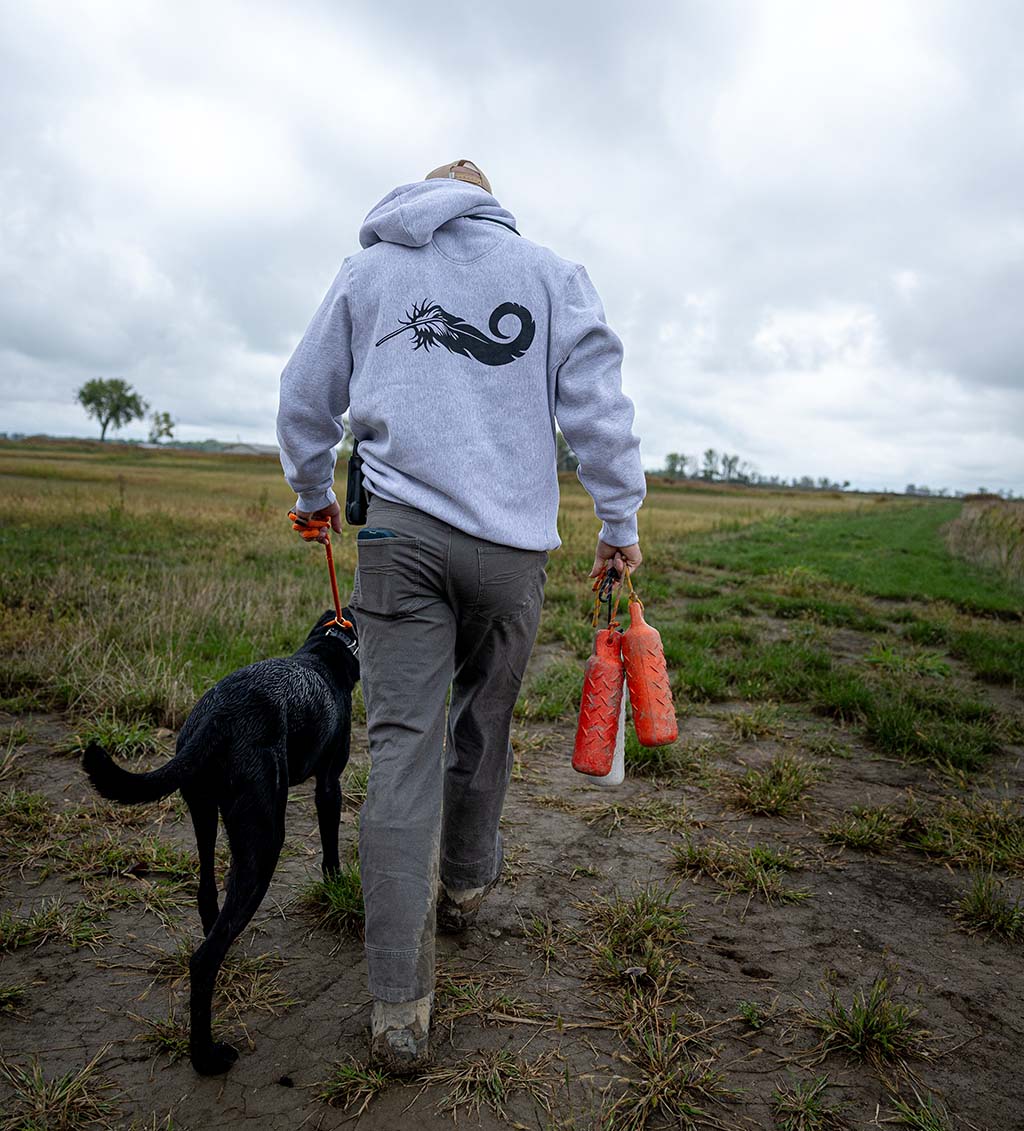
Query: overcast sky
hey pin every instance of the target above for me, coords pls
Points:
(805, 219)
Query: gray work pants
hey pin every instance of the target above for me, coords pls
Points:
(435, 607)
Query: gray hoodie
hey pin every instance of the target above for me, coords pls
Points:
(455, 344)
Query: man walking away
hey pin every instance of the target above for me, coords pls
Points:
(455, 344)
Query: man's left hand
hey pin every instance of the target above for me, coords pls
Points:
(332, 512)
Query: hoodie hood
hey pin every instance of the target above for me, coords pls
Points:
(410, 214)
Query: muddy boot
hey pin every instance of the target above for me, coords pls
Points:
(457, 909)
(400, 1035)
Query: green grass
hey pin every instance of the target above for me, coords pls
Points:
(984, 908)
(121, 737)
(167, 1036)
(656, 761)
(112, 854)
(553, 694)
(894, 550)
(335, 903)
(351, 1084)
(52, 921)
(491, 1079)
(779, 789)
(734, 866)
(12, 997)
(669, 1083)
(873, 1028)
(800, 1106)
(924, 1113)
(761, 721)
(72, 1101)
(635, 939)
(870, 830)
(967, 832)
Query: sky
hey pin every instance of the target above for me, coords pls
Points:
(805, 218)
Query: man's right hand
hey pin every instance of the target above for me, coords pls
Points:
(616, 556)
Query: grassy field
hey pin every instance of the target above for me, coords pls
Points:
(803, 915)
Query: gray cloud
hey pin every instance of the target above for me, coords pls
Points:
(805, 220)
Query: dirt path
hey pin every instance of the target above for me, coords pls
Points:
(304, 1007)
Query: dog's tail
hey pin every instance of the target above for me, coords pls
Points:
(117, 784)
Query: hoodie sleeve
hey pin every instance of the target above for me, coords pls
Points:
(314, 394)
(594, 414)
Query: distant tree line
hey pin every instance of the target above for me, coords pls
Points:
(723, 467)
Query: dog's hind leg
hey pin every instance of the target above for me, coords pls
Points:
(256, 833)
(328, 814)
(204, 821)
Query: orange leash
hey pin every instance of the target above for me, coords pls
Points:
(310, 529)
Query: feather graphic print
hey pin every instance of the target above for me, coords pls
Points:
(432, 325)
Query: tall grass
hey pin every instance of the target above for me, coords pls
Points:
(990, 531)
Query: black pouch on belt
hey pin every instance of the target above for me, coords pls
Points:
(355, 492)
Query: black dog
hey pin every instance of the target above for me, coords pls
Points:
(257, 732)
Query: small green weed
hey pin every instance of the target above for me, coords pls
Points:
(12, 997)
(915, 663)
(655, 761)
(168, 1036)
(353, 789)
(755, 1014)
(245, 981)
(111, 854)
(924, 1114)
(635, 937)
(652, 814)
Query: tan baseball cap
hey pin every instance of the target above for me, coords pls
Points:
(463, 170)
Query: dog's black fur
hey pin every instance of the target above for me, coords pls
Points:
(257, 732)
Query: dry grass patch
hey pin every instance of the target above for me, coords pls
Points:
(244, 982)
(492, 1079)
(670, 1082)
(652, 814)
(53, 921)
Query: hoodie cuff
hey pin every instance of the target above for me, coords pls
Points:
(620, 534)
(311, 501)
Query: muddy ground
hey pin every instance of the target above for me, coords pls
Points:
(866, 915)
